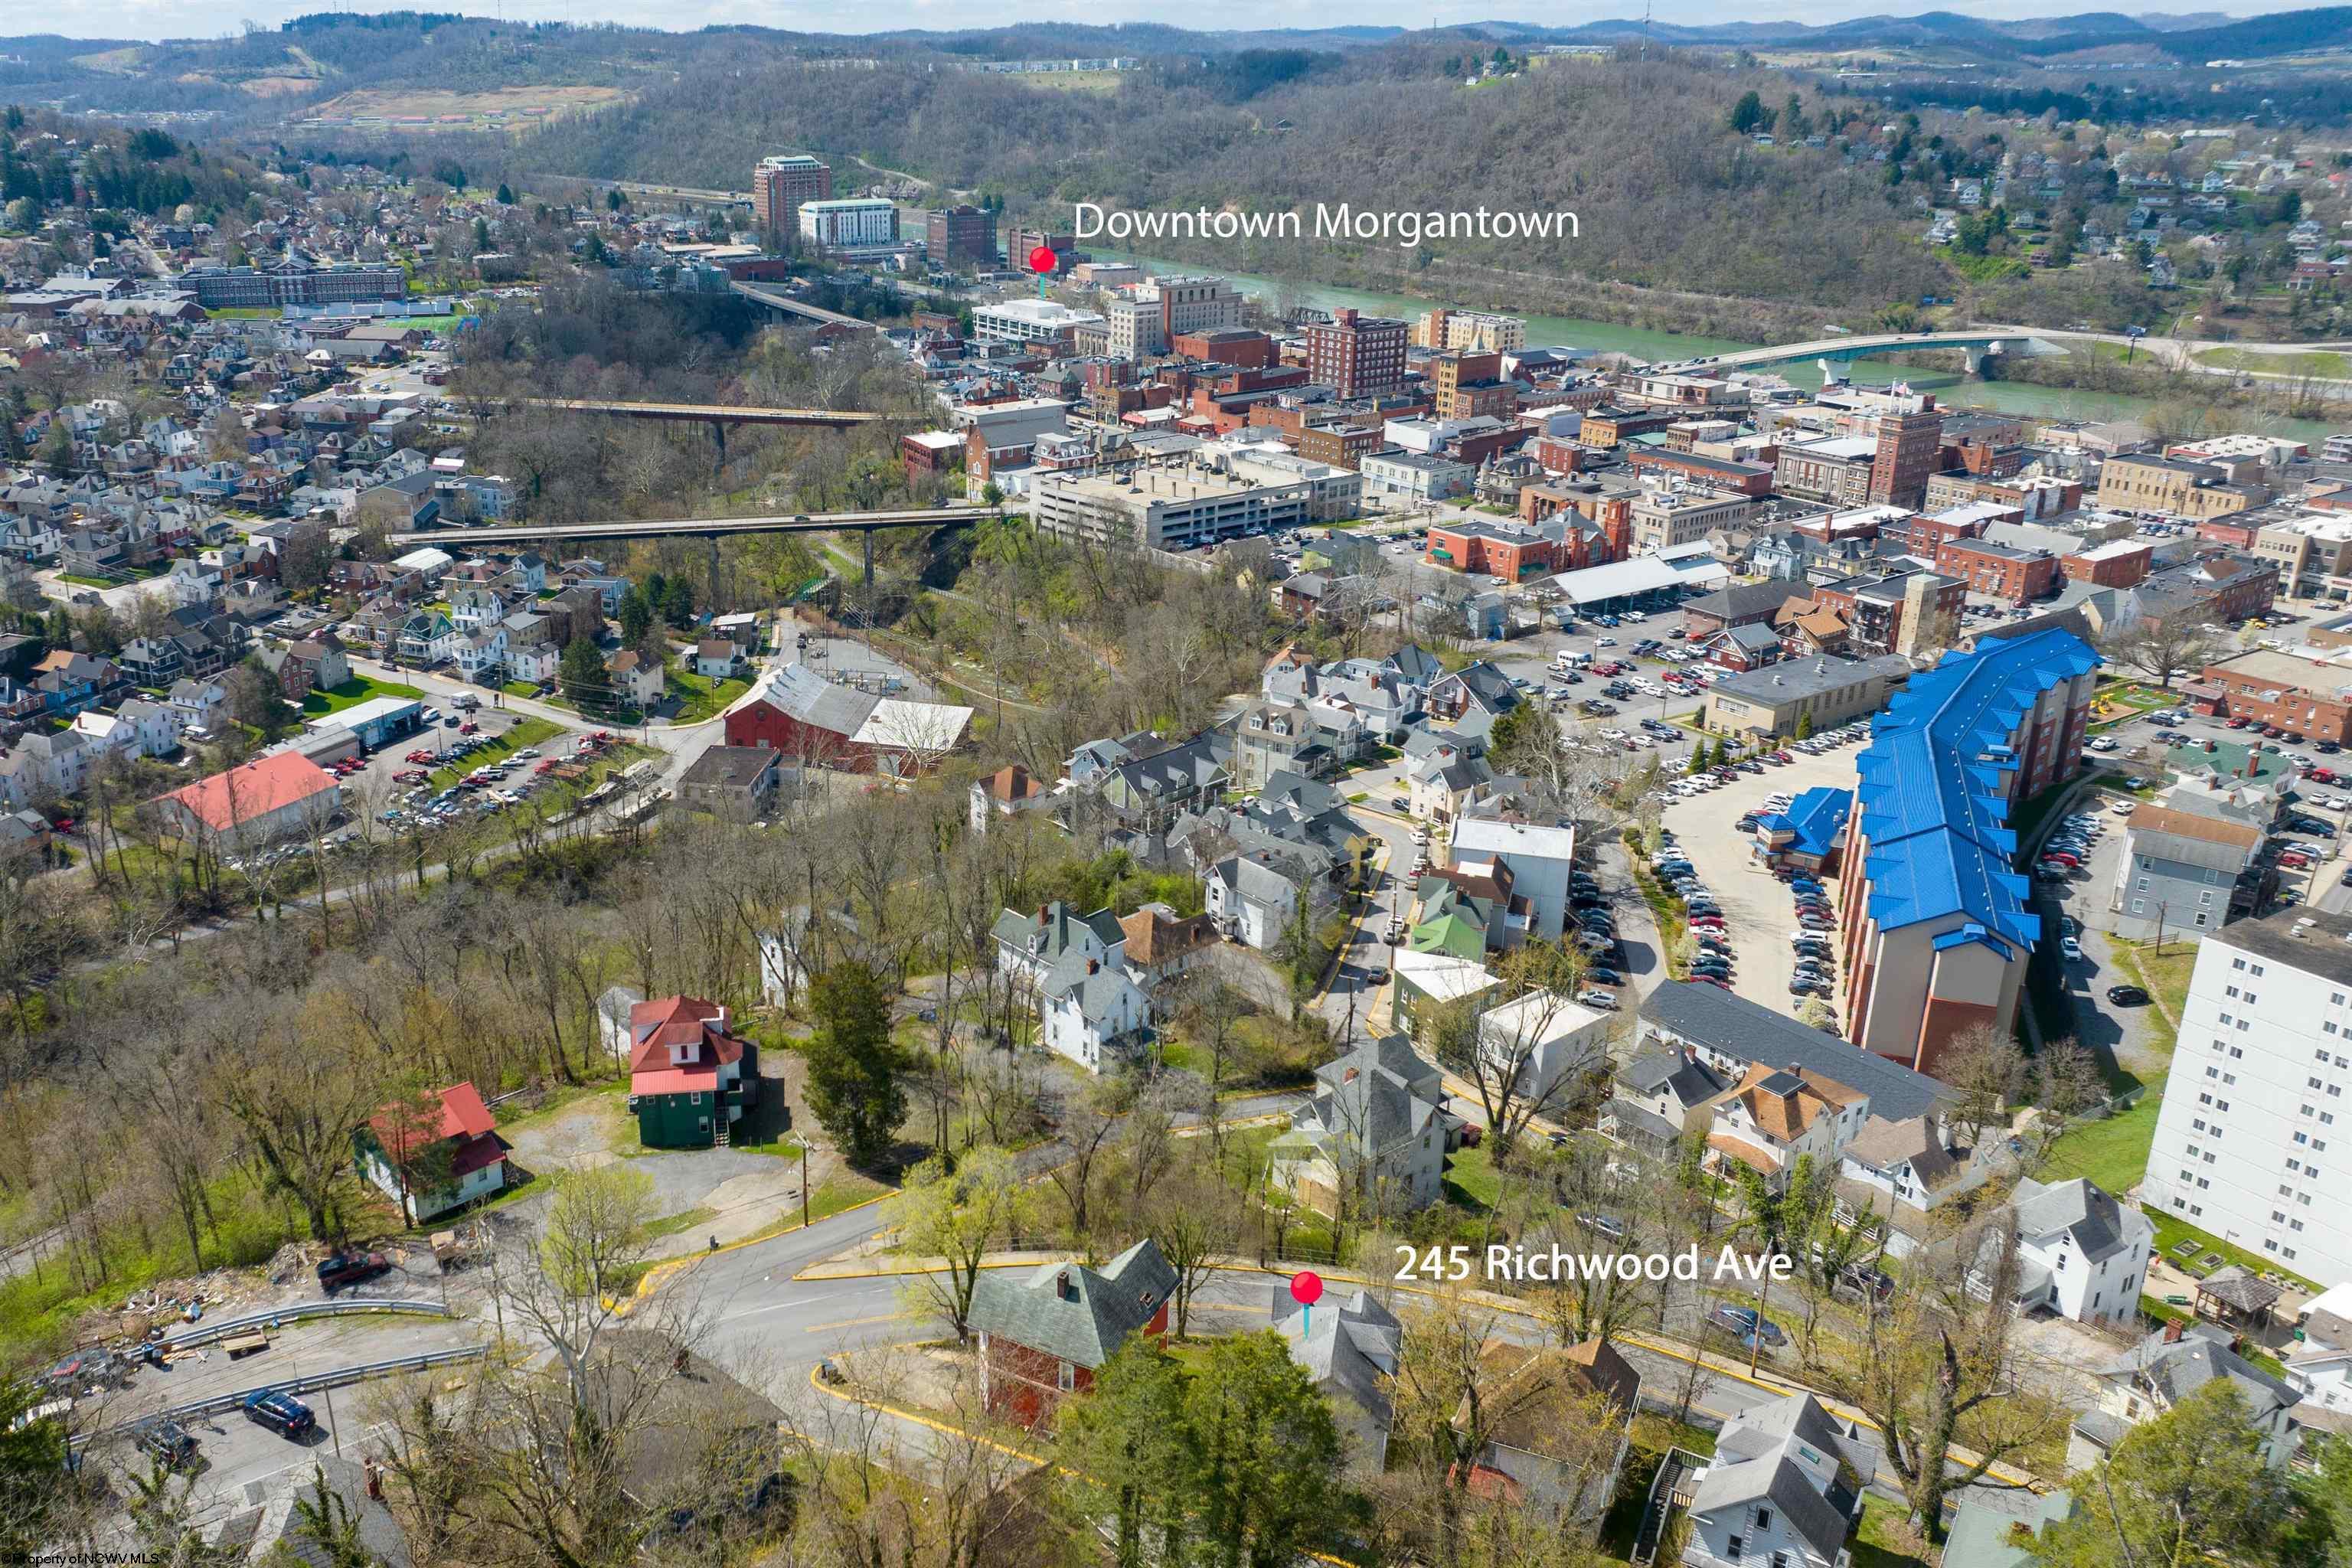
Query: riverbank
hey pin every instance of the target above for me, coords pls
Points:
(2100, 367)
(2053, 399)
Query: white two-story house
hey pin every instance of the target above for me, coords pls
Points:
(1782, 1491)
(1091, 1012)
(2080, 1253)
(1030, 947)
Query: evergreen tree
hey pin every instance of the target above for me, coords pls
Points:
(1237, 1462)
(505, 196)
(677, 602)
(636, 617)
(582, 674)
(1750, 115)
(855, 1068)
(2190, 1486)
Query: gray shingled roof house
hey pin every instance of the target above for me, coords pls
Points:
(1785, 1484)
(1042, 1334)
(1354, 1346)
(1035, 945)
(2165, 1368)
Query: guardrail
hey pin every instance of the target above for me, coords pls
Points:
(205, 1334)
(221, 1403)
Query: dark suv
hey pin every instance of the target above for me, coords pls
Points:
(281, 1413)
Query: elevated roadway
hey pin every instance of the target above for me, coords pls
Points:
(775, 299)
(706, 413)
(711, 528)
(1975, 342)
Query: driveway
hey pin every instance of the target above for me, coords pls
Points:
(1354, 1003)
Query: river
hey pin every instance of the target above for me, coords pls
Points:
(1951, 387)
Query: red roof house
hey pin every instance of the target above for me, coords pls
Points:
(688, 1078)
(434, 1154)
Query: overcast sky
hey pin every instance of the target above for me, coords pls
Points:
(196, 19)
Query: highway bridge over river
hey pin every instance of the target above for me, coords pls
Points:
(1975, 343)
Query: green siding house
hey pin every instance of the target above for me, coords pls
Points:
(689, 1079)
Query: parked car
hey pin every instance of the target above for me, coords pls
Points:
(167, 1442)
(2127, 995)
(341, 1269)
(1747, 1324)
(281, 1413)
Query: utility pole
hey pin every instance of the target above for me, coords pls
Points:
(1756, 1338)
(804, 1197)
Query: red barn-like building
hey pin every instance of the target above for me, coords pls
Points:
(1044, 1334)
(817, 723)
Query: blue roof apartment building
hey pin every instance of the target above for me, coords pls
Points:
(1935, 926)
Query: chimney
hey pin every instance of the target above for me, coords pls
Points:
(1041, 913)
(1092, 967)
(1062, 1287)
(2172, 1331)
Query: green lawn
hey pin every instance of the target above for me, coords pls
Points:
(699, 698)
(1886, 1539)
(2115, 782)
(1471, 1180)
(2113, 1152)
(2165, 972)
(2319, 363)
(2171, 1231)
(671, 1224)
(357, 689)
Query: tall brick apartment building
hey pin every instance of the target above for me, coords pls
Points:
(1933, 920)
(962, 234)
(779, 187)
(1044, 1335)
(1910, 448)
(1357, 355)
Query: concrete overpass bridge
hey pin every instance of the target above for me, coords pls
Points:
(713, 528)
(696, 527)
(706, 412)
(1974, 343)
(776, 299)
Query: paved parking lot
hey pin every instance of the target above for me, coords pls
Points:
(1759, 909)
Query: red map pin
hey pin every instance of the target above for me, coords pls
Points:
(1306, 1288)
(1043, 260)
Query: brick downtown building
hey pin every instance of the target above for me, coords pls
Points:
(1933, 922)
(1357, 355)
